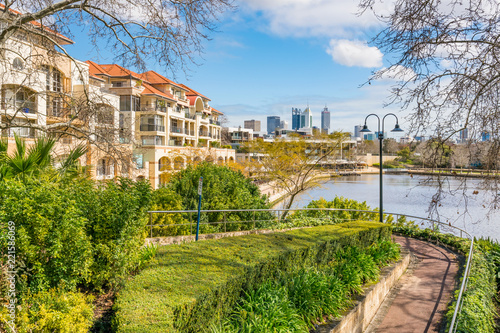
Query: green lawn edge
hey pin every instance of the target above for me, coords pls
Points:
(189, 286)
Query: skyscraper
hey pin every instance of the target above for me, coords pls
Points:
(284, 124)
(295, 118)
(252, 124)
(357, 131)
(306, 119)
(273, 122)
(464, 135)
(325, 120)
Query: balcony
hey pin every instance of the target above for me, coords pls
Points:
(23, 132)
(214, 122)
(189, 132)
(21, 105)
(176, 130)
(58, 112)
(147, 107)
(152, 128)
(175, 143)
(206, 134)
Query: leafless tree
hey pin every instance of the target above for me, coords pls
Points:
(446, 62)
(32, 38)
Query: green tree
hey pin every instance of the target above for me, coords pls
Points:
(293, 165)
(223, 188)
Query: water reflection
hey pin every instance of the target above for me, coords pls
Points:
(460, 205)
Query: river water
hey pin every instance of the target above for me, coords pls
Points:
(466, 208)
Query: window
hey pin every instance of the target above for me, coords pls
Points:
(118, 84)
(130, 103)
(18, 64)
(53, 79)
(139, 161)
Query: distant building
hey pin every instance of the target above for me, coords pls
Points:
(464, 135)
(385, 135)
(239, 135)
(357, 131)
(325, 120)
(420, 138)
(306, 119)
(485, 136)
(370, 137)
(273, 122)
(296, 118)
(252, 124)
(284, 124)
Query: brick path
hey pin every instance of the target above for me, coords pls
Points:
(419, 300)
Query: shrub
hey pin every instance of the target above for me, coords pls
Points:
(52, 246)
(55, 311)
(116, 214)
(166, 199)
(223, 188)
(187, 287)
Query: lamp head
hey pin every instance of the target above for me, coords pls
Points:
(397, 128)
(365, 129)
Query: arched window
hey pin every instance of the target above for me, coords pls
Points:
(164, 164)
(18, 64)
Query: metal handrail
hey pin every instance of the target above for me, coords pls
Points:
(434, 222)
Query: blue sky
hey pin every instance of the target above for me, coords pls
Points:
(270, 56)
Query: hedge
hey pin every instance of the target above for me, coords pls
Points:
(188, 287)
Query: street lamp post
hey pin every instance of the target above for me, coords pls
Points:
(381, 139)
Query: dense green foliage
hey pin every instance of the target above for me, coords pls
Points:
(223, 188)
(310, 294)
(187, 287)
(71, 235)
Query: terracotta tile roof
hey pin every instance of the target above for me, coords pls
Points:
(155, 78)
(193, 92)
(216, 111)
(39, 25)
(150, 90)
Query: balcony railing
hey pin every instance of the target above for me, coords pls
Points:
(214, 122)
(24, 132)
(21, 105)
(175, 129)
(175, 143)
(189, 132)
(58, 112)
(206, 134)
(152, 128)
(147, 107)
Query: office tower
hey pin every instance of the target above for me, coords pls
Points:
(357, 131)
(252, 124)
(464, 135)
(284, 124)
(325, 120)
(295, 118)
(306, 119)
(273, 122)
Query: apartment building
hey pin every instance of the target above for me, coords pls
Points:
(135, 125)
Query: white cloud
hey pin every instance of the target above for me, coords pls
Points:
(355, 53)
(331, 18)
(396, 73)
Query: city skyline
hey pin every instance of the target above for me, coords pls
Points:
(255, 65)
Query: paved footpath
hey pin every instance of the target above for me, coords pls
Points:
(418, 302)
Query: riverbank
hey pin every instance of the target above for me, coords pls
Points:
(277, 195)
(454, 173)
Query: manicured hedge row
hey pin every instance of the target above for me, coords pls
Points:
(190, 286)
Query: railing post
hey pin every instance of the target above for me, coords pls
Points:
(225, 221)
(254, 219)
(151, 224)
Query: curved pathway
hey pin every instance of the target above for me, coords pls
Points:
(419, 301)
